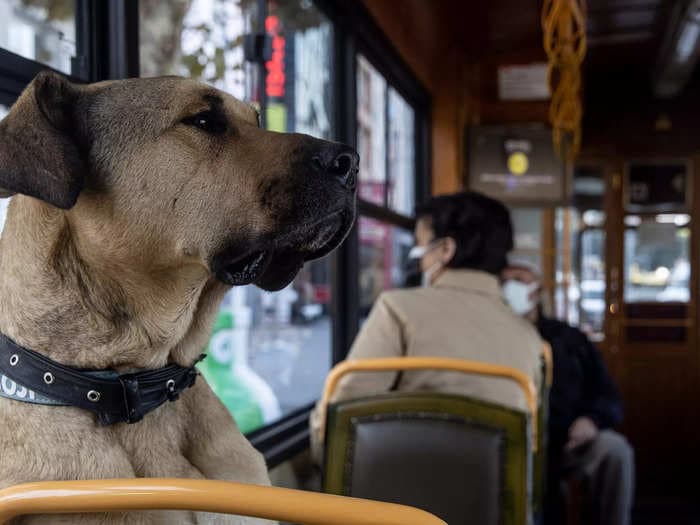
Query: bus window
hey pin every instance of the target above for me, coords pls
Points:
(657, 265)
(592, 279)
(270, 352)
(386, 144)
(371, 132)
(4, 110)
(580, 269)
(383, 255)
(527, 225)
(41, 31)
(401, 172)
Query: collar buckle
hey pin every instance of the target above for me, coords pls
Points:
(132, 398)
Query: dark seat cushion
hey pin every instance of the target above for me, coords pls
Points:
(440, 465)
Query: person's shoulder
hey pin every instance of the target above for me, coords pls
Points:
(554, 328)
(403, 296)
(527, 333)
(548, 323)
(409, 302)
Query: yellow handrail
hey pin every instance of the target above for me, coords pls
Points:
(435, 363)
(548, 364)
(273, 503)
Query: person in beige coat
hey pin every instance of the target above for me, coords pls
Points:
(462, 242)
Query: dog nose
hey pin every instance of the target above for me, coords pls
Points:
(339, 161)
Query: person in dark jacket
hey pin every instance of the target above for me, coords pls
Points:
(584, 406)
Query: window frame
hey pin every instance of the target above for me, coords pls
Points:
(107, 47)
(358, 34)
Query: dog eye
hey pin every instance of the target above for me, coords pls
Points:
(208, 121)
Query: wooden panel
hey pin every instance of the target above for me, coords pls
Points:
(664, 433)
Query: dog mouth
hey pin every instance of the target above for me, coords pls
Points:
(246, 269)
(273, 263)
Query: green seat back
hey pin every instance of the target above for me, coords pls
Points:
(464, 460)
(539, 473)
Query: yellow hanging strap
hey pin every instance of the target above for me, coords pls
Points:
(564, 40)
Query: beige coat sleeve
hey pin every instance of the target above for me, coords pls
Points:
(382, 335)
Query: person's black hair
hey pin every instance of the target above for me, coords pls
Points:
(480, 226)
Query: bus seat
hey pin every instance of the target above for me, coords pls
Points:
(539, 473)
(272, 503)
(466, 461)
(481, 452)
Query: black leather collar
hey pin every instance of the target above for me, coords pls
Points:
(113, 397)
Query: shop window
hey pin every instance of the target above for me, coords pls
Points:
(383, 253)
(270, 352)
(40, 30)
(298, 78)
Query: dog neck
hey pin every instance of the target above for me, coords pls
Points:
(91, 312)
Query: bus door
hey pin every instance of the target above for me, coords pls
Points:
(650, 314)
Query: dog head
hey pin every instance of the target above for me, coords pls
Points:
(165, 172)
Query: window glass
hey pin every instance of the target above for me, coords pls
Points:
(580, 269)
(4, 203)
(371, 132)
(579, 264)
(592, 281)
(527, 235)
(270, 352)
(383, 256)
(298, 77)
(401, 155)
(203, 40)
(567, 224)
(657, 264)
(4, 110)
(41, 30)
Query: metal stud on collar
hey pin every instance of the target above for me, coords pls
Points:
(94, 396)
(14, 359)
(170, 385)
(48, 378)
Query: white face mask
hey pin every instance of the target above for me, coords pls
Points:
(418, 252)
(426, 279)
(517, 295)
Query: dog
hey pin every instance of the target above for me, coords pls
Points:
(138, 204)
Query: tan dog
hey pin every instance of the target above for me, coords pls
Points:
(140, 202)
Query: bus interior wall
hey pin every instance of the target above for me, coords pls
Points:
(623, 122)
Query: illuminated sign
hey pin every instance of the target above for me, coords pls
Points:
(517, 152)
(274, 82)
(516, 164)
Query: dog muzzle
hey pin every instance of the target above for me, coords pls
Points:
(30, 377)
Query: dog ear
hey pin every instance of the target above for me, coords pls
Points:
(39, 152)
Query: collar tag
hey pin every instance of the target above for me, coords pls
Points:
(13, 390)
